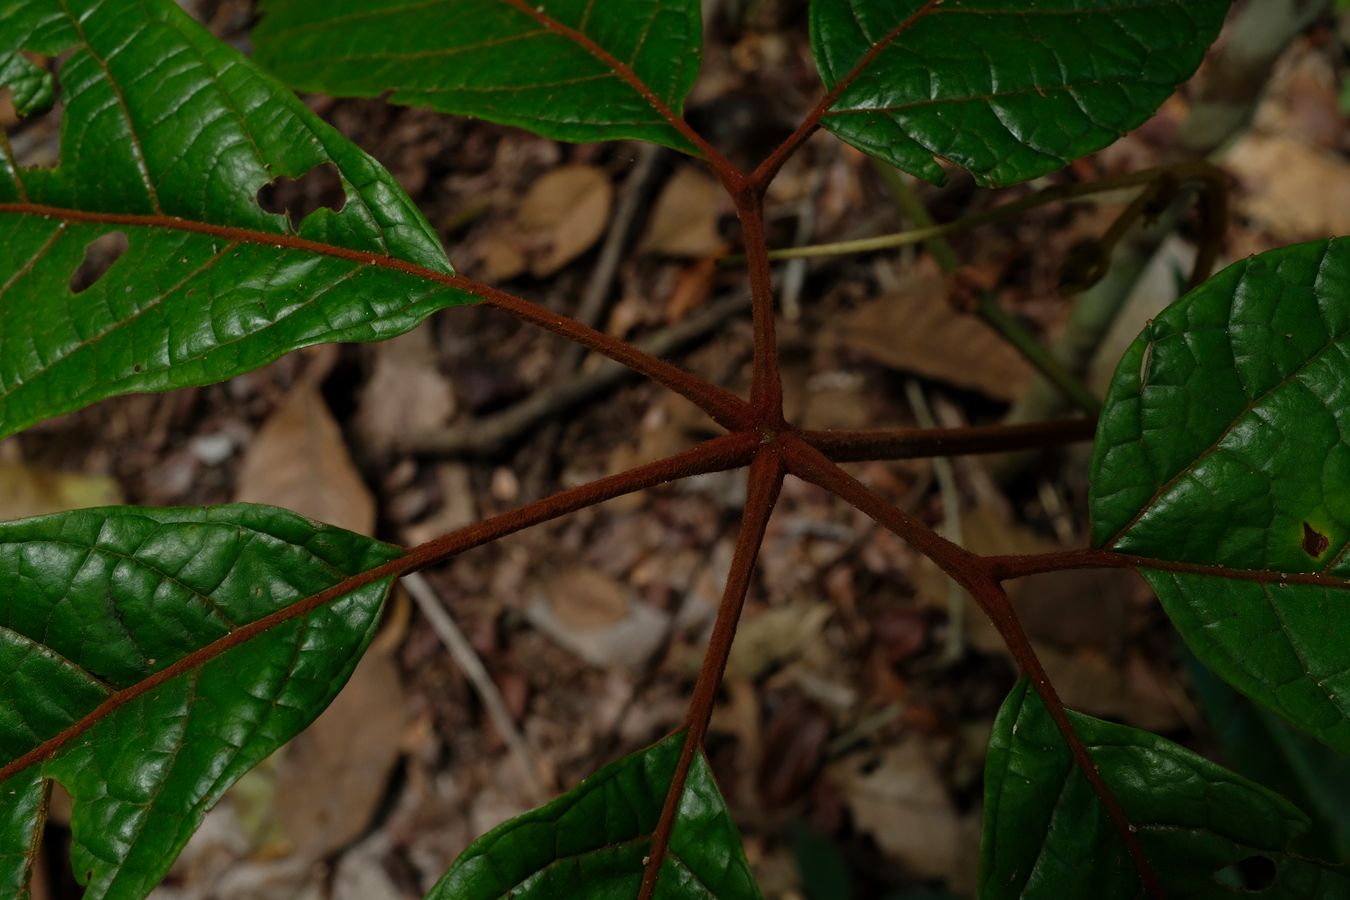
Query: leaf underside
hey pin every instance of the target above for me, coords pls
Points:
(590, 843)
(93, 602)
(1225, 442)
(162, 121)
(1009, 89)
(549, 67)
(1046, 835)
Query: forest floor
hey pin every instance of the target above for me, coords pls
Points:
(853, 723)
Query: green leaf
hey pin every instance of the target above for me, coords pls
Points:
(573, 70)
(1261, 746)
(94, 602)
(167, 136)
(31, 87)
(1047, 835)
(1223, 452)
(589, 844)
(1009, 89)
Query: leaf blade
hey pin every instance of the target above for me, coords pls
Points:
(1010, 89)
(564, 69)
(112, 597)
(1195, 820)
(1221, 448)
(591, 842)
(168, 135)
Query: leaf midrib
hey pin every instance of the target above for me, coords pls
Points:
(1214, 446)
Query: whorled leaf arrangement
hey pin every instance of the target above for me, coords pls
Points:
(124, 630)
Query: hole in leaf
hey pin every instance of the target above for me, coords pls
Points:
(99, 255)
(1315, 543)
(1253, 874)
(295, 198)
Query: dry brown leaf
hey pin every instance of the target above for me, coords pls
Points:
(332, 777)
(31, 491)
(563, 214)
(684, 219)
(900, 800)
(916, 330)
(597, 618)
(773, 636)
(406, 393)
(299, 461)
(500, 256)
(587, 598)
(1295, 191)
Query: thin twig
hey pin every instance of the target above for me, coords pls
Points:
(916, 443)
(730, 451)
(951, 522)
(462, 652)
(635, 189)
(765, 481)
(1189, 170)
(988, 308)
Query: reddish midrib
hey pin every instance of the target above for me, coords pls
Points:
(725, 407)
(718, 454)
(720, 164)
(767, 169)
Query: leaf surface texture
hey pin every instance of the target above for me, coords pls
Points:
(1046, 835)
(167, 136)
(1009, 89)
(1224, 445)
(574, 70)
(590, 843)
(93, 602)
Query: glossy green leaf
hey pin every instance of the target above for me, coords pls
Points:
(93, 602)
(1047, 835)
(31, 87)
(1260, 745)
(167, 135)
(1224, 445)
(1009, 89)
(574, 70)
(590, 843)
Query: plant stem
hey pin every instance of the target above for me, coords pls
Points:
(769, 168)
(765, 481)
(1190, 170)
(723, 406)
(766, 387)
(1034, 352)
(988, 307)
(488, 435)
(917, 443)
(976, 575)
(727, 452)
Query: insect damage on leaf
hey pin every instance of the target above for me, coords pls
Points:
(1315, 543)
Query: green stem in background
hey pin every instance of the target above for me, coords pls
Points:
(927, 231)
(988, 308)
(1034, 352)
(1224, 100)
